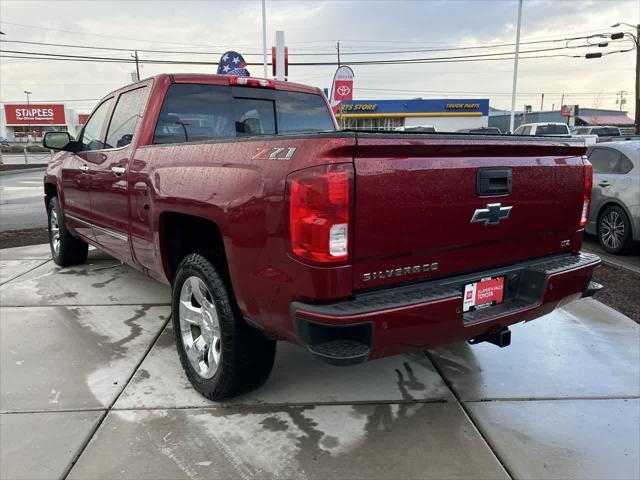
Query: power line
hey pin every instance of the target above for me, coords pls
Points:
(328, 53)
(396, 61)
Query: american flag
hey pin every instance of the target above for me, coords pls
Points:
(232, 63)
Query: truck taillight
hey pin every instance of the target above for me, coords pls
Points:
(588, 183)
(320, 212)
(252, 82)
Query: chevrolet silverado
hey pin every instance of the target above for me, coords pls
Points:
(271, 224)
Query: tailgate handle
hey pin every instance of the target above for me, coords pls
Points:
(493, 181)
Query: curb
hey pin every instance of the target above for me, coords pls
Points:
(23, 170)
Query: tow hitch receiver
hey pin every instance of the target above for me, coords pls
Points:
(501, 338)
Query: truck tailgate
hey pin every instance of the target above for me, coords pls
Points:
(416, 195)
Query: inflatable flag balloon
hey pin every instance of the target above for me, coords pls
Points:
(232, 63)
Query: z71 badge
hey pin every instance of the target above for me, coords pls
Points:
(275, 153)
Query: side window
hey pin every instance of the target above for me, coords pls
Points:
(518, 131)
(125, 118)
(254, 116)
(526, 130)
(604, 160)
(193, 113)
(91, 139)
(625, 165)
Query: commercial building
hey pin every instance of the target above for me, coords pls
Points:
(584, 117)
(29, 122)
(446, 115)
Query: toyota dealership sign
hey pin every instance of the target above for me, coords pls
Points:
(35, 114)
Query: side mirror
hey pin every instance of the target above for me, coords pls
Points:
(58, 141)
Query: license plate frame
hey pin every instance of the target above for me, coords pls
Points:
(483, 293)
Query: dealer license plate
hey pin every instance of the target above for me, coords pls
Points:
(482, 294)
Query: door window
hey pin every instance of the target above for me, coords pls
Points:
(125, 118)
(91, 139)
(608, 161)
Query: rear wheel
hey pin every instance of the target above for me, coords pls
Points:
(614, 230)
(66, 249)
(221, 355)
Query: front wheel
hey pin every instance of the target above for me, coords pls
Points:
(220, 354)
(614, 230)
(66, 250)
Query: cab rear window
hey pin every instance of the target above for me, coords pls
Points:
(194, 113)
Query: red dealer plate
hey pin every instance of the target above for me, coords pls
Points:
(486, 292)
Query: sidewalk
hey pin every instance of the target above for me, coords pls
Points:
(91, 387)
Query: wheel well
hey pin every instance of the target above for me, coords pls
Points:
(182, 234)
(50, 191)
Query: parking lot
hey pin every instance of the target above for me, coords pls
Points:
(91, 387)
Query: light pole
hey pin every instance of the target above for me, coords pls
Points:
(636, 40)
(264, 38)
(515, 69)
(27, 92)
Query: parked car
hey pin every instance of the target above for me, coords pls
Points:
(545, 129)
(482, 130)
(270, 224)
(4, 144)
(417, 128)
(615, 208)
(601, 132)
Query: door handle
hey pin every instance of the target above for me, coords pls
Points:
(604, 184)
(118, 170)
(84, 167)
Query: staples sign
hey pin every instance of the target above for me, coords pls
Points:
(35, 114)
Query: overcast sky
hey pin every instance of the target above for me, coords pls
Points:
(311, 26)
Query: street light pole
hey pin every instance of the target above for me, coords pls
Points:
(515, 69)
(264, 37)
(29, 114)
(636, 40)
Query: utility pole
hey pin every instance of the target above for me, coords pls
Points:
(621, 100)
(135, 55)
(338, 48)
(28, 108)
(515, 69)
(542, 102)
(264, 38)
(562, 101)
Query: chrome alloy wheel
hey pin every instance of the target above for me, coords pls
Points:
(55, 231)
(612, 230)
(200, 327)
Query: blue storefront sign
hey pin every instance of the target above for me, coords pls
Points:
(415, 108)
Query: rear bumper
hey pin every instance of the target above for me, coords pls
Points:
(429, 314)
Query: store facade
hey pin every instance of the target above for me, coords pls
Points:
(22, 123)
(446, 115)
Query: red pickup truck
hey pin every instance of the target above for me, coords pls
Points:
(271, 224)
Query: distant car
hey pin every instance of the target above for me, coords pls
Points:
(545, 129)
(4, 143)
(601, 132)
(615, 204)
(482, 130)
(417, 128)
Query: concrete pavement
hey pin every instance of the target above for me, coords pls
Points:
(22, 201)
(91, 387)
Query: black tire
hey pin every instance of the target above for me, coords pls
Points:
(245, 355)
(614, 230)
(70, 250)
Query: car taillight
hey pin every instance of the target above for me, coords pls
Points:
(588, 183)
(320, 212)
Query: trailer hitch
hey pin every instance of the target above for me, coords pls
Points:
(500, 337)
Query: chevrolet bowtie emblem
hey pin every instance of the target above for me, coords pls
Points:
(492, 214)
